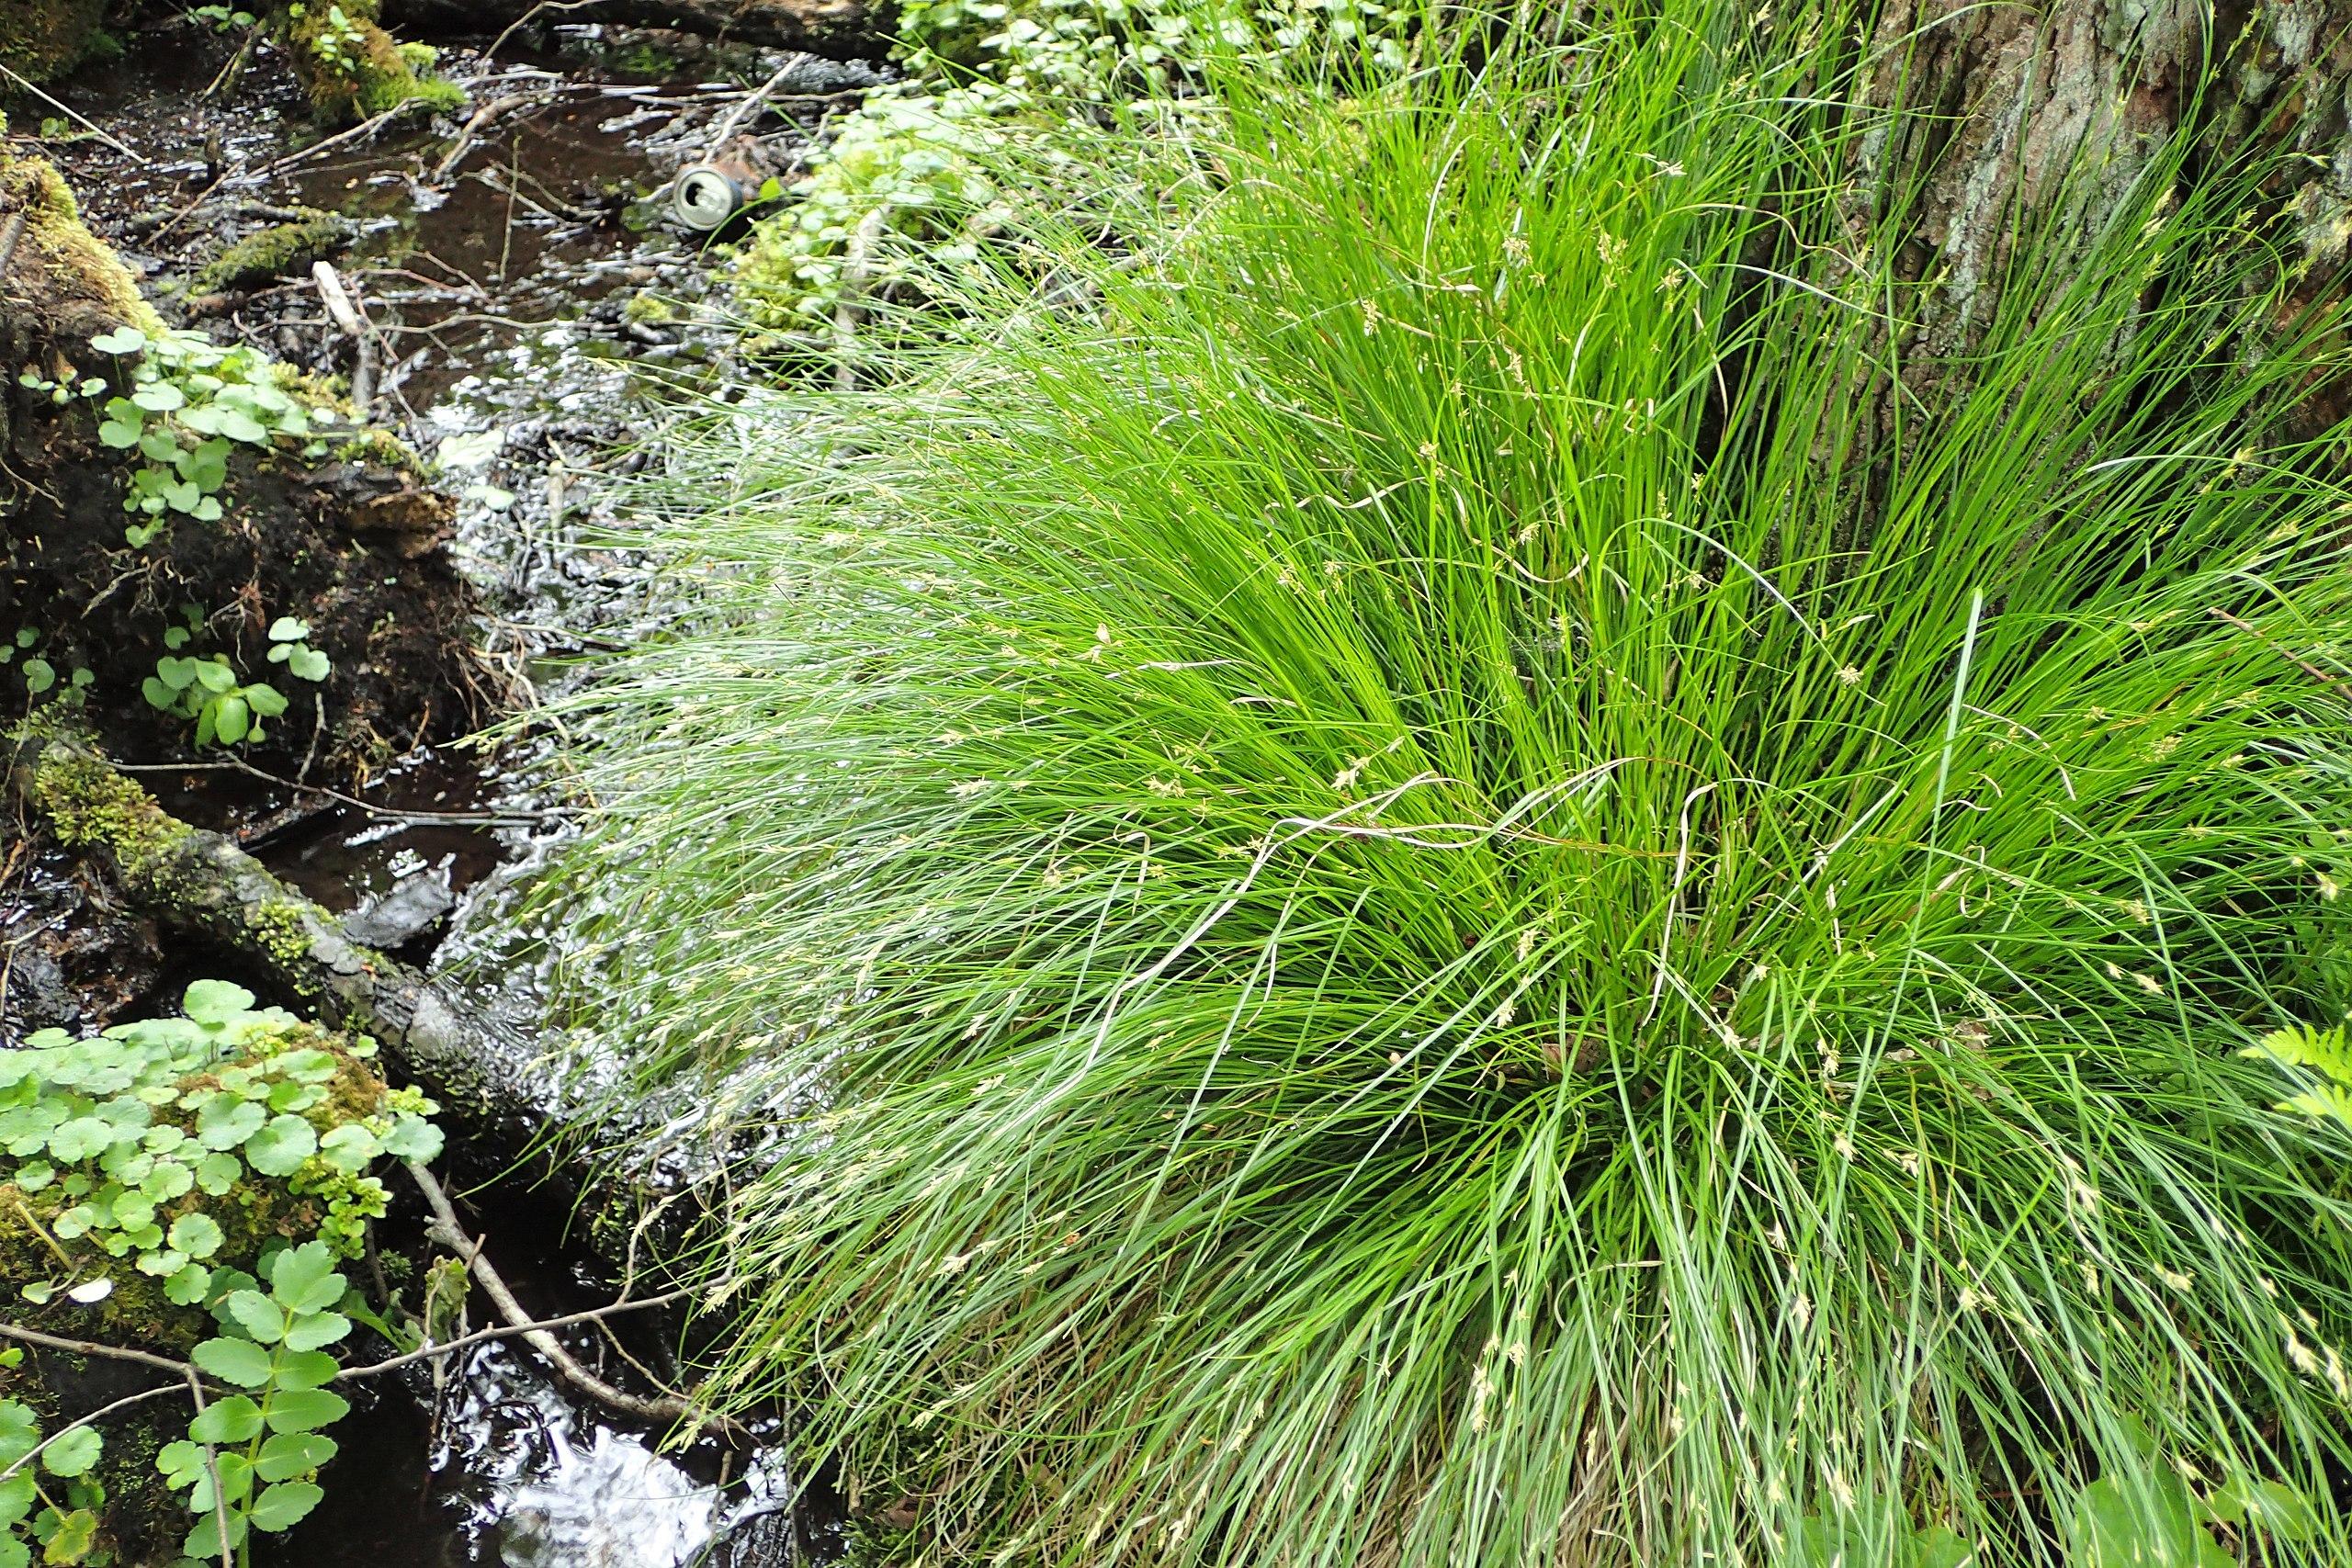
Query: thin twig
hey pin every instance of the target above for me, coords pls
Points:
(510, 1331)
(91, 1348)
(666, 1407)
(744, 109)
(8, 242)
(212, 1470)
(92, 1419)
(2313, 670)
(86, 122)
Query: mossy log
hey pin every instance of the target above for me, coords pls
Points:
(351, 67)
(837, 29)
(213, 896)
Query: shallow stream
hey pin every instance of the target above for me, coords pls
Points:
(533, 315)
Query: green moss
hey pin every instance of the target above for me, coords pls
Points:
(91, 805)
(285, 935)
(353, 69)
(40, 39)
(378, 446)
(281, 250)
(72, 264)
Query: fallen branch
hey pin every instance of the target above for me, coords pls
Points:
(665, 1408)
(353, 323)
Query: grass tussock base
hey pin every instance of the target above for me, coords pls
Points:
(1411, 895)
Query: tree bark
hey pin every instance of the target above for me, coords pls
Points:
(2014, 109)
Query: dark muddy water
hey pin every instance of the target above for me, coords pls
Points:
(497, 274)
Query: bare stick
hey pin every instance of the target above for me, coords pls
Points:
(451, 1234)
(8, 242)
(2313, 670)
(353, 325)
(743, 110)
(91, 1348)
(75, 114)
(509, 1331)
(212, 1470)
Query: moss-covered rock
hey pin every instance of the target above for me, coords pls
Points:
(44, 39)
(351, 67)
(284, 250)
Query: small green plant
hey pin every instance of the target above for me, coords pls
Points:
(263, 1445)
(58, 1521)
(39, 672)
(2323, 1051)
(220, 18)
(338, 43)
(287, 647)
(191, 401)
(228, 710)
(184, 1162)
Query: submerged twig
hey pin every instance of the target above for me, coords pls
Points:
(664, 1407)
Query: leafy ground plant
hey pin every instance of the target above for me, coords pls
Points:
(210, 1170)
(1453, 883)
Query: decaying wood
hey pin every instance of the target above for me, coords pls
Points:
(206, 891)
(842, 30)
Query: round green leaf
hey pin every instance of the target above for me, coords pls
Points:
(313, 1330)
(280, 1147)
(235, 1419)
(199, 1236)
(72, 1452)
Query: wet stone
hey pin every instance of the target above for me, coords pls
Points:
(413, 907)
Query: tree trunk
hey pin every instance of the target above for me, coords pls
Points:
(2016, 109)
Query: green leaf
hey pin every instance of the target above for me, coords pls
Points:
(180, 1463)
(314, 1331)
(39, 675)
(235, 1419)
(306, 1368)
(238, 425)
(168, 1181)
(280, 1147)
(187, 1287)
(290, 1454)
(75, 1533)
(232, 719)
(224, 1122)
(214, 675)
(238, 1361)
(217, 1173)
(413, 1138)
(266, 700)
(257, 1315)
(282, 1506)
(309, 1064)
(199, 1236)
(286, 628)
(310, 664)
(350, 1147)
(20, 1430)
(82, 1138)
(72, 1452)
(304, 1278)
(204, 1542)
(121, 340)
(306, 1410)
(216, 1001)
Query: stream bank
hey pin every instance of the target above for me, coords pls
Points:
(529, 315)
